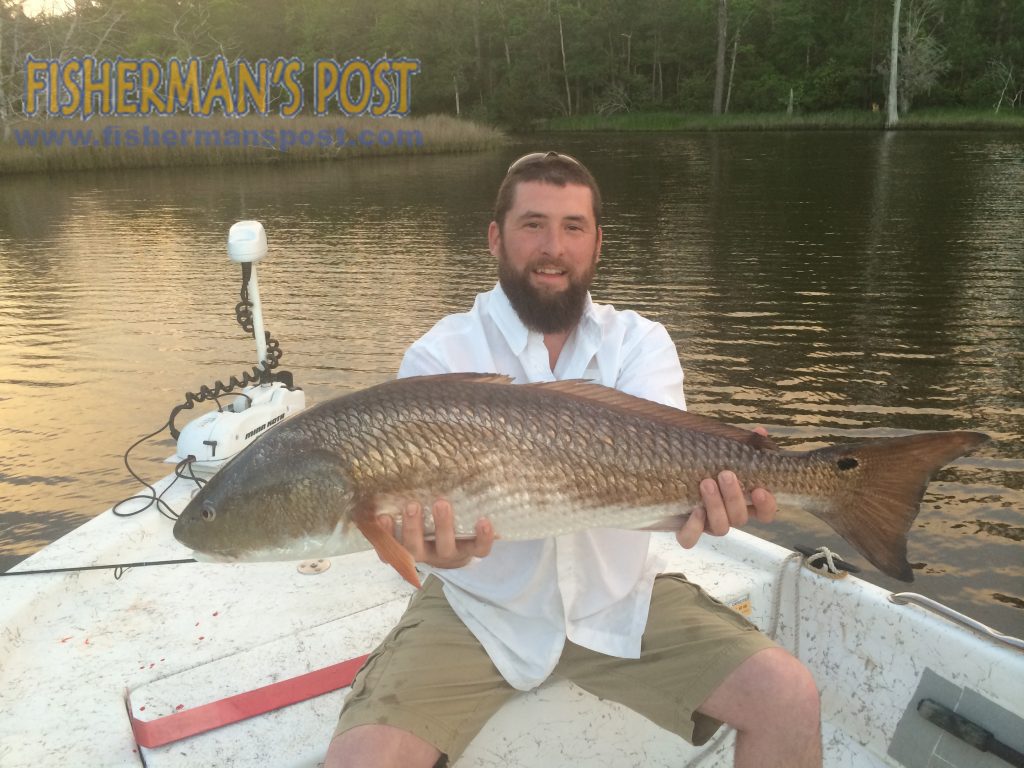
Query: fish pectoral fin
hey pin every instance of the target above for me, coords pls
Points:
(390, 551)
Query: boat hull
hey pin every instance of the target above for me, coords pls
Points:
(179, 636)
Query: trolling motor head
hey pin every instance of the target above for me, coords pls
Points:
(213, 438)
(247, 242)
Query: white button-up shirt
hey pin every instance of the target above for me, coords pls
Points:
(526, 597)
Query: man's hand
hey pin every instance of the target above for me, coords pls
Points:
(445, 551)
(725, 506)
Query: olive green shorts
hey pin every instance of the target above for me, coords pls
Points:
(432, 677)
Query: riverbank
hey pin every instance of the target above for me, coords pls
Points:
(72, 145)
(778, 121)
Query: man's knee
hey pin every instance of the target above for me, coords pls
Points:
(789, 689)
(380, 745)
(768, 689)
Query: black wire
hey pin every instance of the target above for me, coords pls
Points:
(221, 408)
(152, 497)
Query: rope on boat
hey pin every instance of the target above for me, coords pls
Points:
(827, 563)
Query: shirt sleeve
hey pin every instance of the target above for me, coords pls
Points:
(419, 361)
(651, 369)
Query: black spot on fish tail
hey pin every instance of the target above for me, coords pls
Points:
(887, 479)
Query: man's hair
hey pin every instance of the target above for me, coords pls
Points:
(550, 168)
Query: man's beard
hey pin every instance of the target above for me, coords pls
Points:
(541, 311)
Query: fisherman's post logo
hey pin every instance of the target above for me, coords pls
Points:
(86, 87)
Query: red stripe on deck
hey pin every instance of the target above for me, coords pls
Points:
(190, 722)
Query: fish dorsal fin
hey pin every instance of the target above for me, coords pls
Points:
(475, 378)
(581, 389)
(588, 391)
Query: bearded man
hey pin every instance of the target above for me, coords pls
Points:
(496, 617)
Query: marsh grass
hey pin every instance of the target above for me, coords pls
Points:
(431, 134)
(946, 119)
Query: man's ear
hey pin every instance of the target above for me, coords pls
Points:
(494, 239)
(597, 250)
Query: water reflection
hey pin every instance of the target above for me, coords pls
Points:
(1005, 530)
(829, 286)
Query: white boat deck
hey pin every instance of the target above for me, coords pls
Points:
(178, 636)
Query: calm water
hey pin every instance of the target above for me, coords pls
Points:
(829, 286)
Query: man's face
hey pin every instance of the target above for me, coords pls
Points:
(547, 253)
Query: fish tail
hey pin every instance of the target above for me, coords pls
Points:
(888, 478)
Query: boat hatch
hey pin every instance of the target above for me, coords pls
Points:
(920, 742)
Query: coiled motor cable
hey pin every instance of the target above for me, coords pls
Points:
(260, 374)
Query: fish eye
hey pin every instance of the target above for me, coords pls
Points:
(208, 511)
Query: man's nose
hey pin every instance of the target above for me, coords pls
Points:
(554, 243)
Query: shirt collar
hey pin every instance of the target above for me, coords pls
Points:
(517, 335)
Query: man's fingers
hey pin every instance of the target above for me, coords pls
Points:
(734, 500)
(481, 545)
(764, 505)
(412, 530)
(444, 530)
(444, 550)
(725, 505)
(692, 529)
(714, 505)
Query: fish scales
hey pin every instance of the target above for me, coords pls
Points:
(537, 460)
(528, 453)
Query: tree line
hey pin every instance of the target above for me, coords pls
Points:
(516, 61)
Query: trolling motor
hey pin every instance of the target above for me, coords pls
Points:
(265, 398)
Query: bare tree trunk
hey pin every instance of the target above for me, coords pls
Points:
(476, 40)
(723, 29)
(3, 96)
(656, 86)
(455, 82)
(64, 48)
(565, 69)
(732, 69)
(654, 71)
(893, 115)
(479, 50)
(1006, 83)
(504, 37)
